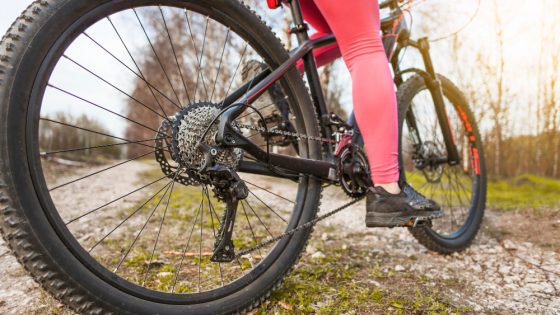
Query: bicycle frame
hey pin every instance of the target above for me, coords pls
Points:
(239, 101)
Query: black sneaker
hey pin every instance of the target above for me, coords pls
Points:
(384, 209)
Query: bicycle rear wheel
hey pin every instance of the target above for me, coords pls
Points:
(459, 189)
(87, 88)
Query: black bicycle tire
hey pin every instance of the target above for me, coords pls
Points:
(424, 234)
(27, 231)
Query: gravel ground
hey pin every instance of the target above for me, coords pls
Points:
(502, 276)
(19, 294)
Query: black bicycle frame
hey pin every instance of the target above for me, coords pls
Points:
(236, 103)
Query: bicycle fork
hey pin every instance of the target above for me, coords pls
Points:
(434, 86)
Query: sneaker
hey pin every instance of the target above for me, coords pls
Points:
(384, 209)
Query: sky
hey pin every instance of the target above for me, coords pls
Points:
(522, 42)
(81, 51)
(10, 11)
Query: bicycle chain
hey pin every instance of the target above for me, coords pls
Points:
(296, 229)
(296, 135)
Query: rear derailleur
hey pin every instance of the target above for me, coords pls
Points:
(229, 188)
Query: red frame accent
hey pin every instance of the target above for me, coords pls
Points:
(274, 4)
(475, 155)
(346, 140)
(476, 161)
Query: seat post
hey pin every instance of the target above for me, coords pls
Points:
(300, 27)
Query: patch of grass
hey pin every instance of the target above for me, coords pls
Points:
(344, 283)
(520, 192)
(525, 191)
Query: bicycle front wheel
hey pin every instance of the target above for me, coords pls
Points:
(459, 189)
(93, 200)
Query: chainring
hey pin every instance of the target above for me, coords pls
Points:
(354, 174)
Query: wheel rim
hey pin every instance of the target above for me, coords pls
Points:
(146, 273)
(455, 188)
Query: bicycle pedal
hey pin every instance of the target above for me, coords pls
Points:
(415, 222)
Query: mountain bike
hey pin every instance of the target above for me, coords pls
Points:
(166, 156)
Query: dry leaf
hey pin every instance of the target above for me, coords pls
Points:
(286, 306)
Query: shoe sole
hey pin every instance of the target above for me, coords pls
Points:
(396, 219)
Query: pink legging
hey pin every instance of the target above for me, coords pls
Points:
(356, 26)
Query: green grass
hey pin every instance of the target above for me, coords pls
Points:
(345, 283)
(525, 191)
(520, 192)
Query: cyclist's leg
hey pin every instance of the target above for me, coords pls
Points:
(313, 16)
(356, 26)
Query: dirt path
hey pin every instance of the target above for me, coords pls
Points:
(19, 294)
(494, 276)
(501, 276)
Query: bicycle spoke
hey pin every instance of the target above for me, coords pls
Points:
(210, 209)
(453, 196)
(113, 201)
(101, 171)
(160, 228)
(93, 131)
(115, 87)
(220, 64)
(423, 186)
(174, 54)
(446, 194)
(200, 243)
(142, 229)
(267, 206)
(464, 190)
(157, 56)
(259, 218)
(460, 190)
(140, 74)
(128, 217)
(185, 249)
(98, 147)
(250, 227)
(455, 186)
(270, 192)
(235, 72)
(199, 60)
(101, 107)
